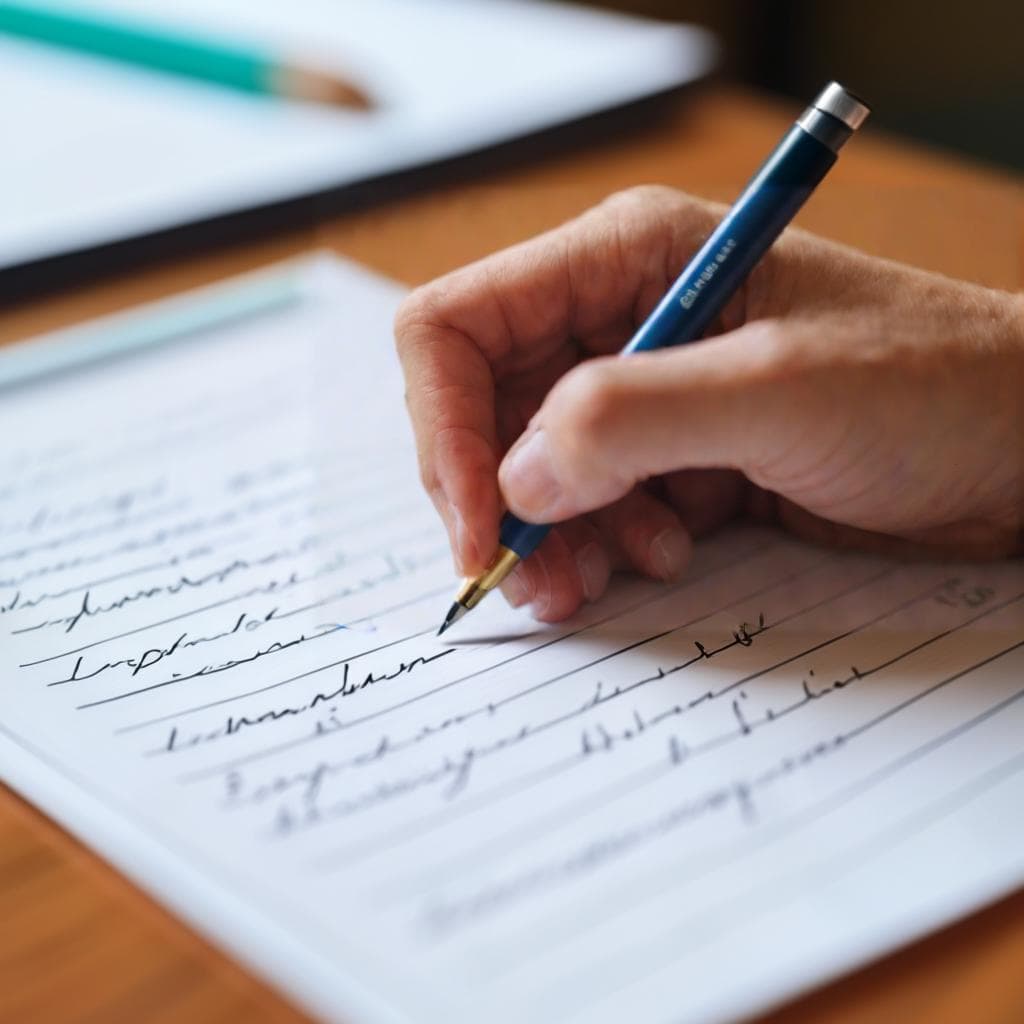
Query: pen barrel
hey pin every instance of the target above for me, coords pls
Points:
(520, 537)
(717, 271)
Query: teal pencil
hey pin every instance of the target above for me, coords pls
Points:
(135, 42)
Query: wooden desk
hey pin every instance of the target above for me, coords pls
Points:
(79, 943)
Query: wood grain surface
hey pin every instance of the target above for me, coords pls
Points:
(78, 943)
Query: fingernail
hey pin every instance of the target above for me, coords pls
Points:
(528, 476)
(465, 548)
(594, 569)
(668, 553)
(514, 589)
(542, 594)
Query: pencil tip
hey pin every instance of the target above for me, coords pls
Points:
(318, 86)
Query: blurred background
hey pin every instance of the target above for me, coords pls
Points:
(945, 72)
(118, 162)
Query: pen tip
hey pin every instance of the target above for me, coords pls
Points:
(454, 614)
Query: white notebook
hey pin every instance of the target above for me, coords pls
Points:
(219, 588)
(95, 151)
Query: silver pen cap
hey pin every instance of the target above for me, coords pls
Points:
(834, 116)
(842, 105)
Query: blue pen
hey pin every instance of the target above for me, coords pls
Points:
(712, 277)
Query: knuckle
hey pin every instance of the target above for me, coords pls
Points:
(644, 197)
(437, 302)
(584, 406)
(409, 309)
(772, 352)
(418, 307)
(667, 225)
(673, 210)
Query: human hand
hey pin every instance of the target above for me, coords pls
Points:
(854, 400)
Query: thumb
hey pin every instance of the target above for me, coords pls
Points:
(610, 423)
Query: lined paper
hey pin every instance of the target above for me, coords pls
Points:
(219, 588)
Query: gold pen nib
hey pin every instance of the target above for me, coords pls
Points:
(473, 591)
(454, 614)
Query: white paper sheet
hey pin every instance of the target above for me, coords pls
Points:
(219, 585)
(95, 151)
